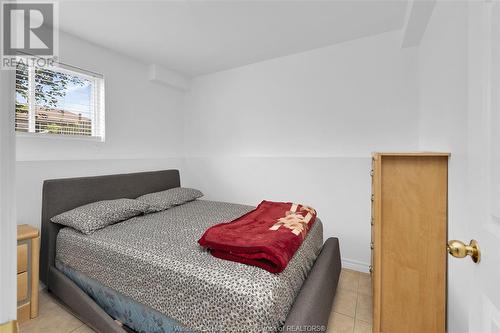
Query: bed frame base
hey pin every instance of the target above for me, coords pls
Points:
(314, 302)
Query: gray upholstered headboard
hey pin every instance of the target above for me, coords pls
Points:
(60, 195)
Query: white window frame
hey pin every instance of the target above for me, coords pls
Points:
(97, 95)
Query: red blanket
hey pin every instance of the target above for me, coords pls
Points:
(266, 237)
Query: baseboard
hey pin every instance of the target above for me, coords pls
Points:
(9, 327)
(355, 265)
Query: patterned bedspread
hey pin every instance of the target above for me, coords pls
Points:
(155, 260)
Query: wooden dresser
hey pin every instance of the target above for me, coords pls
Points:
(409, 235)
(28, 254)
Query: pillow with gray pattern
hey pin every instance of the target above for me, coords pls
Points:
(163, 200)
(97, 215)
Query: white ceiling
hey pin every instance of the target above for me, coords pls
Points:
(199, 37)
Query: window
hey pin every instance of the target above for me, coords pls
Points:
(59, 101)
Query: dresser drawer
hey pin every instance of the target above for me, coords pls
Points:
(22, 286)
(23, 312)
(28, 254)
(22, 258)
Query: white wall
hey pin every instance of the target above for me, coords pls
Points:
(302, 128)
(443, 99)
(298, 128)
(347, 99)
(8, 265)
(142, 118)
(143, 129)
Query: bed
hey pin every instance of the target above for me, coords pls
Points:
(115, 261)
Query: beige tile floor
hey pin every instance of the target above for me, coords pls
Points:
(352, 307)
(351, 311)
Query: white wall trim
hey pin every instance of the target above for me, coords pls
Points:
(99, 160)
(38, 136)
(355, 265)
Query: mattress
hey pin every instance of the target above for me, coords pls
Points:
(155, 260)
(135, 315)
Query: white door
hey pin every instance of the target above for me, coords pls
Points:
(478, 289)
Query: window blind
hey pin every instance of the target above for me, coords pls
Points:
(59, 101)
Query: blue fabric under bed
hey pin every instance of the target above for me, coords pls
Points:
(138, 317)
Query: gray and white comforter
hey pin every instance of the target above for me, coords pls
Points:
(155, 260)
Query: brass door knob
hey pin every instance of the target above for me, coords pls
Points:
(458, 249)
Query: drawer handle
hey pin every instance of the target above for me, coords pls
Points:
(372, 221)
(373, 197)
(370, 269)
(371, 245)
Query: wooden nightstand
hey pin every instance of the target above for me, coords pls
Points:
(28, 255)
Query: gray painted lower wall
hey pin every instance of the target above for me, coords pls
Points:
(338, 187)
(31, 174)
